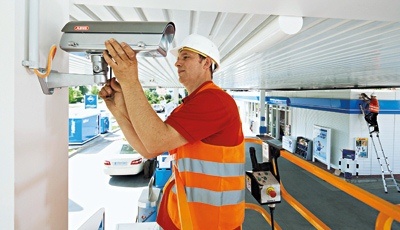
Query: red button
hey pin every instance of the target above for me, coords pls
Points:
(271, 192)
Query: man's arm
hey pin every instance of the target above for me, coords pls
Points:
(132, 137)
(112, 95)
(155, 135)
(365, 97)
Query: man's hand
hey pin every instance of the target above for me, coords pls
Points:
(122, 59)
(112, 95)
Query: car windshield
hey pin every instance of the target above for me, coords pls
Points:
(127, 149)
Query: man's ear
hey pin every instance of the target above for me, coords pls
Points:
(208, 63)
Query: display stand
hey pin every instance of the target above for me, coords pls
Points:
(304, 148)
(322, 145)
(289, 143)
(348, 164)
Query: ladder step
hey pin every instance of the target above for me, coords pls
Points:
(389, 177)
(391, 185)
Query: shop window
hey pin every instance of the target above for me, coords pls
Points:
(279, 121)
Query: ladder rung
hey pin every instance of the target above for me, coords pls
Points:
(391, 185)
(388, 178)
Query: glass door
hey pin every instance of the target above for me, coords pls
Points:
(278, 121)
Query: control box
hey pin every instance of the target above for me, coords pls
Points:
(263, 180)
(264, 187)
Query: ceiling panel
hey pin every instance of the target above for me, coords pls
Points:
(243, 29)
(127, 13)
(154, 14)
(182, 20)
(101, 12)
(77, 14)
(344, 49)
(205, 23)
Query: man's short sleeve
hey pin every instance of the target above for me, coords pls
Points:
(210, 115)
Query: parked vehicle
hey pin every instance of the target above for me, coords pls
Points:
(158, 108)
(123, 161)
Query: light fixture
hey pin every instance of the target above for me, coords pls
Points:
(290, 24)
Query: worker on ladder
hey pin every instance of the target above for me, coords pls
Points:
(371, 111)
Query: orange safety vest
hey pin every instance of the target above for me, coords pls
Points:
(374, 106)
(208, 189)
(213, 184)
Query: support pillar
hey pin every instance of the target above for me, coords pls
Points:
(263, 126)
(175, 96)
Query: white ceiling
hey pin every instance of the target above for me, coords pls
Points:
(342, 44)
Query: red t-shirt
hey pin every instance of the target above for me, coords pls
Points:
(211, 116)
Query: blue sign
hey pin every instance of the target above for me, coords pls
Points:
(278, 101)
(90, 101)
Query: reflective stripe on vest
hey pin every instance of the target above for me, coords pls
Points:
(211, 168)
(213, 198)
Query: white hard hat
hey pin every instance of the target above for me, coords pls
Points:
(201, 45)
(373, 95)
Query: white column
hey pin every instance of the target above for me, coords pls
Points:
(7, 114)
(175, 96)
(34, 136)
(263, 127)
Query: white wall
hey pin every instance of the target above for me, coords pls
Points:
(7, 45)
(34, 136)
(304, 121)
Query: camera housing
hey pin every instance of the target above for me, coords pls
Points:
(148, 39)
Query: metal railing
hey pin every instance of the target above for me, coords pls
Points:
(387, 211)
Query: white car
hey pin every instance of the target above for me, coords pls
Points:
(124, 161)
(158, 108)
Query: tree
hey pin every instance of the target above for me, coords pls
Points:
(168, 97)
(83, 89)
(79, 96)
(152, 96)
(95, 90)
(71, 95)
(75, 95)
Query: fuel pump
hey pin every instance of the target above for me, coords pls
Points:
(263, 181)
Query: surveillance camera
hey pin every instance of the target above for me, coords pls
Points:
(148, 39)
